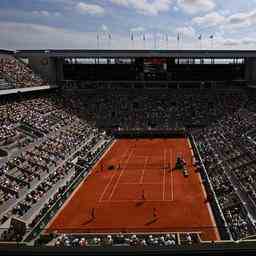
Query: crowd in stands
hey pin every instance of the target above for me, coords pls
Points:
(4, 85)
(58, 194)
(49, 183)
(62, 128)
(133, 240)
(164, 109)
(32, 198)
(85, 164)
(230, 157)
(228, 153)
(38, 167)
(17, 72)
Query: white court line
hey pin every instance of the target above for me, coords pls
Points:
(79, 186)
(192, 153)
(134, 200)
(136, 183)
(106, 187)
(121, 173)
(189, 144)
(164, 177)
(143, 170)
(172, 183)
(209, 207)
(109, 182)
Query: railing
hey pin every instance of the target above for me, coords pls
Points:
(149, 133)
(51, 234)
(8, 81)
(57, 205)
(8, 78)
(219, 216)
(150, 85)
(186, 248)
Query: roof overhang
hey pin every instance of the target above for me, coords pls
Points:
(221, 54)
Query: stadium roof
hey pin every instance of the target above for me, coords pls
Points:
(69, 53)
(2, 51)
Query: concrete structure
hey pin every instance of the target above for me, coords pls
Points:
(49, 63)
(137, 53)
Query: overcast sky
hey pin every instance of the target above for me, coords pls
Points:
(55, 24)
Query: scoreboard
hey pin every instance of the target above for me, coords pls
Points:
(155, 68)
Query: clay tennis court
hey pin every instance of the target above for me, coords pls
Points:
(142, 168)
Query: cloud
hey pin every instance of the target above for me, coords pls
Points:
(249, 41)
(16, 35)
(104, 27)
(146, 7)
(57, 14)
(186, 31)
(210, 19)
(121, 2)
(44, 13)
(137, 29)
(41, 13)
(234, 43)
(228, 22)
(92, 9)
(176, 8)
(32, 36)
(196, 6)
(242, 19)
(15, 14)
(230, 42)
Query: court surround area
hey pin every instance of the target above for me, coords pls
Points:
(134, 188)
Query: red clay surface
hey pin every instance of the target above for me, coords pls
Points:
(116, 195)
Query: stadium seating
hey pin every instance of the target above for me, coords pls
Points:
(18, 73)
(44, 134)
(229, 157)
(139, 240)
(158, 109)
(4, 85)
(40, 166)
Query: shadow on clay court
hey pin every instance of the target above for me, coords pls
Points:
(88, 221)
(151, 222)
(138, 204)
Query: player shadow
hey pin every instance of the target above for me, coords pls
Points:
(151, 222)
(140, 203)
(88, 221)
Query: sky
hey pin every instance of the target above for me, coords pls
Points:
(112, 24)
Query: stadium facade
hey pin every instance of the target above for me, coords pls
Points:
(58, 65)
(71, 134)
